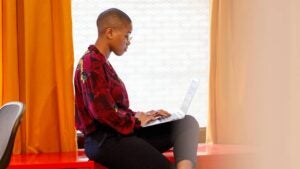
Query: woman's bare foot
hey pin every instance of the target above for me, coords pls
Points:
(185, 164)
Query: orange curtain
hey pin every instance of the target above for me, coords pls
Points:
(229, 84)
(254, 79)
(250, 48)
(36, 68)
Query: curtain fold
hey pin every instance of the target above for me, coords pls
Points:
(211, 124)
(37, 67)
(9, 55)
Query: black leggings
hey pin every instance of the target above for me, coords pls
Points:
(143, 149)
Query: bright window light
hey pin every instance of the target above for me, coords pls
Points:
(168, 49)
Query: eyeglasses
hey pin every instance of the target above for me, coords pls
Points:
(128, 38)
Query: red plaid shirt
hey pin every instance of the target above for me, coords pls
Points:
(100, 96)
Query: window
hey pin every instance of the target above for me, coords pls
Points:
(168, 49)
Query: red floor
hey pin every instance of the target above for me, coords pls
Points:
(72, 160)
(209, 157)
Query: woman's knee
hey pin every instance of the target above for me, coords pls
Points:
(191, 122)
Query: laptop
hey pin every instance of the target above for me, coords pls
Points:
(182, 111)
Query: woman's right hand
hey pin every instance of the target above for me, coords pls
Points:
(145, 117)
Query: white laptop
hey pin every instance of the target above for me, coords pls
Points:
(180, 113)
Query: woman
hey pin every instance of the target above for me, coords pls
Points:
(114, 135)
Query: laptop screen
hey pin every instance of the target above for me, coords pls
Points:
(189, 96)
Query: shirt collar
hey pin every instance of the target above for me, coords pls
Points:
(93, 48)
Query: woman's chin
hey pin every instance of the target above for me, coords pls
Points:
(119, 53)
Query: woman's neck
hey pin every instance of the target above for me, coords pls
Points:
(103, 48)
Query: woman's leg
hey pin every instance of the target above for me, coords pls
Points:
(180, 134)
(125, 152)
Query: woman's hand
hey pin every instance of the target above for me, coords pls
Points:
(161, 114)
(144, 118)
(151, 115)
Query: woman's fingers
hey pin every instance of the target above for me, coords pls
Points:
(164, 113)
(153, 115)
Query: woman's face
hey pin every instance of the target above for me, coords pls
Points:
(121, 39)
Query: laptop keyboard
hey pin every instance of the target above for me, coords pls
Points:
(173, 116)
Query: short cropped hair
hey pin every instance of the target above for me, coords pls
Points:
(112, 18)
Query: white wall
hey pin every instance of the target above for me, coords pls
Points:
(168, 49)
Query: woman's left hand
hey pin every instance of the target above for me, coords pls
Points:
(159, 113)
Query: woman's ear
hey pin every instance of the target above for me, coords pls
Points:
(109, 33)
